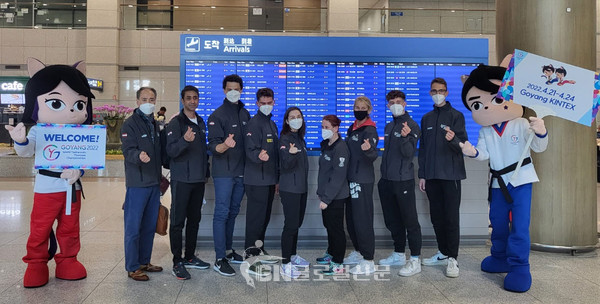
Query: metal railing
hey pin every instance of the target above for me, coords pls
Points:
(427, 21)
(273, 18)
(47, 14)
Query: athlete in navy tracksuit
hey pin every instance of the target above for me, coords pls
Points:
(397, 184)
(261, 172)
(333, 190)
(362, 142)
(293, 183)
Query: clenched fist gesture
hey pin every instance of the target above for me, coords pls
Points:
(144, 157)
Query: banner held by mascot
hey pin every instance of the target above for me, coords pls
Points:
(56, 94)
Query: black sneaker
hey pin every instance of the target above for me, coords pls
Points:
(222, 266)
(266, 258)
(196, 263)
(180, 272)
(258, 269)
(235, 258)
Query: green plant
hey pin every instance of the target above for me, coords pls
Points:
(114, 152)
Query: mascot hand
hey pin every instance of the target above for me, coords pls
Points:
(468, 149)
(537, 125)
(17, 133)
(72, 175)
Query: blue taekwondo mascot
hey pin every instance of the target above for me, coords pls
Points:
(502, 139)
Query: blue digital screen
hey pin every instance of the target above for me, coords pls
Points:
(324, 75)
(322, 88)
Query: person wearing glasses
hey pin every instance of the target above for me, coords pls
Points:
(441, 168)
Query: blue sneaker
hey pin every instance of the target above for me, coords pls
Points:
(325, 260)
(334, 269)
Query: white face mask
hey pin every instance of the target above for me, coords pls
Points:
(233, 96)
(266, 109)
(438, 99)
(147, 108)
(326, 134)
(397, 109)
(295, 123)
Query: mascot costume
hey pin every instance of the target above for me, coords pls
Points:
(502, 139)
(57, 94)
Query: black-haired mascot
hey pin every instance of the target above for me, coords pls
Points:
(502, 139)
(58, 94)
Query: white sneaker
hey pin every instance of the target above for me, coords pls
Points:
(412, 267)
(364, 267)
(452, 269)
(290, 271)
(395, 259)
(299, 261)
(436, 259)
(353, 258)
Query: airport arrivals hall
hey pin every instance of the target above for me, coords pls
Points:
(299, 151)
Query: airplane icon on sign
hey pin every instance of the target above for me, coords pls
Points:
(192, 44)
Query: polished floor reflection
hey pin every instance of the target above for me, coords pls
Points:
(557, 278)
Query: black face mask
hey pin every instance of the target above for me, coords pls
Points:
(360, 115)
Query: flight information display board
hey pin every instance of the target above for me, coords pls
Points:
(320, 80)
(321, 88)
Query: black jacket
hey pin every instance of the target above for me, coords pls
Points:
(229, 118)
(360, 166)
(138, 135)
(261, 135)
(293, 167)
(333, 171)
(439, 158)
(189, 160)
(398, 152)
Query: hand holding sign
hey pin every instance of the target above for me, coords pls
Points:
(71, 175)
(537, 125)
(17, 133)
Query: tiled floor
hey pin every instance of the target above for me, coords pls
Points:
(557, 278)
